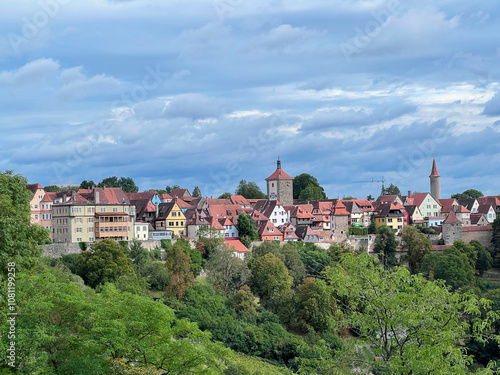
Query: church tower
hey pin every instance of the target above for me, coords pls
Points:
(435, 183)
(280, 186)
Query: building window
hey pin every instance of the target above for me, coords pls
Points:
(36, 217)
(174, 213)
(36, 205)
(115, 209)
(103, 209)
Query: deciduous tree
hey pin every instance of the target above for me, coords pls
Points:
(246, 229)
(179, 266)
(249, 190)
(416, 246)
(303, 181)
(385, 246)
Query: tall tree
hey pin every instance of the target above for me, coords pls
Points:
(19, 238)
(302, 181)
(126, 183)
(467, 194)
(104, 262)
(293, 263)
(311, 193)
(414, 325)
(51, 188)
(249, 190)
(495, 242)
(391, 190)
(179, 267)
(385, 246)
(169, 188)
(196, 192)
(270, 280)
(416, 245)
(87, 184)
(246, 229)
(227, 272)
(225, 195)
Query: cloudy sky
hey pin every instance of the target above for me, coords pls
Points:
(207, 93)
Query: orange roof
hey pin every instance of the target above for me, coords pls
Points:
(49, 197)
(452, 219)
(237, 245)
(279, 174)
(477, 229)
(447, 204)
(339, 209)
(462, 210)
(434, 171)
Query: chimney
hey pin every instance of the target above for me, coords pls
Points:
(156, 210)
(74, 195)
(96, 197)
(409, 193)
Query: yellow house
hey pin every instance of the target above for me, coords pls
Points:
(171, 217)
(390, 215)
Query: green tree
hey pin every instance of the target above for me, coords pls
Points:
(104, 262)
(385, 246)
(225, 195)
(416, 246)
(249, 190)
(311, 193)
(227, 272)
(372, 228)
(391, 190)
(87, 184)
(303, 181)
(414, 325)
(484, 258)
(265, 247)
(197, 192)
(179, 266)
(126, 183)
(270, 279)
(316, 306)
(169, 188)
(348, 198)
(293, 263)
(450, 265)
(246, 229)
(468, 194)
(51, 188)
(19, 238)
(245, 303)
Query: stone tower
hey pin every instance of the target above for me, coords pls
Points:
(435, 183)
(280, 186)
(452, 229)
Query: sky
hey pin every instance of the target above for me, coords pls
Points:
(208, 93)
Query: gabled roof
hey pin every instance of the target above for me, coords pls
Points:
(228, 210)
(264, 229)
(214, 223)
(467, 202)
(141, 195)
(108, 195)
(266, 207)
(164, 210)
(462, 210)
(237, 245)
(219, 202)
(302, 211)
(303, 230)
(434, 171)
(34, 187)
(475, 218)
(240, 200)
(492, 200)
(142, 206)
(182, 204)
(179, 193)
(410, 210)
(420, 197)
(166, 196)
(452, 219)
(288, 232)
(49, 197)
(484, 208)
(447, 204)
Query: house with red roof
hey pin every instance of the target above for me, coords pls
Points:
(478, 219)
(288, 231)
(241, 201)
(239, 250)
(267, 231)
(35, 202)
(301, 214)
(448, 205)
(427, 204)
(392, 215)
(488, 211)
(230, 230)
(463, 214)
(273, 210)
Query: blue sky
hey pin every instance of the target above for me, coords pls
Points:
(210, 92)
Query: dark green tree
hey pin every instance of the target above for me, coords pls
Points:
(416, 245)
(109, 182)
(385, 246)
(225, 195)
(104, 262)
(249, 190)
(372, 228)
(467, 194)
(197, 192)
(302, 181)
(179, 267)
(51, 188)
(484, 259)
(293, 263)
(391, 190)
(311, 193)
(270, 280)
(126, 183)
(19, 238)
(87, 184)
(246, 230)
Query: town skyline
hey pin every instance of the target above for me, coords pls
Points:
(206, 93)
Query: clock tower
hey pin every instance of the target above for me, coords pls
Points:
(280, 186)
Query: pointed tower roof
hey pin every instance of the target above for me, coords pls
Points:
(339, 209)
(279, 174)
(434, 171)
(452, 219)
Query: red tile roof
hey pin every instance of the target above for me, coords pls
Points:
(434, 171)
(49, 197)
(452, 219)
(237, 245)
(279, 174)
(477, 229)
(141, 195)
(447, 204)
(462, 210)
(339, 209)
(34, 187)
